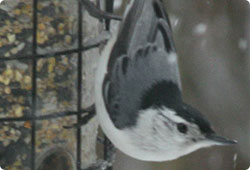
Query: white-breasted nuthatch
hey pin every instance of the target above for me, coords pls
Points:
(138, 90)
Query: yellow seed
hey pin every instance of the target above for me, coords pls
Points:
(9, 72)
(40, 37)
(51, 30)
(41, 26)
(5, 80)
(11, 37)
(4, 41)
(6, 143)
(1, 79)
(24, 156)
(7, 54)
(28, 87)
(60, 26)
(21, 99)
(67, 39)
(39, 6)
(7, 90)
(17, 11)
(27, 125)
(18, 163)
(7, 22)
(14, 50)
(29, 6)
(54, 126)
(19, 111)
(12, 131)
(65, 60)
(52, 62)
(27, 79)
(18, 76)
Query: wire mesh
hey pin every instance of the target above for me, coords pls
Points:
(33, 117)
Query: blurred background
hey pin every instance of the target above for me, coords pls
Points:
(212, 41)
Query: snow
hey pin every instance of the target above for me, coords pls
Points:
(174, 20)
(117, 4)
(200, 29)
(208, 2)
(235, 160)
(172, 59)
(243, 44)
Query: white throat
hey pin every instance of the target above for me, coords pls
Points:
(153, 141)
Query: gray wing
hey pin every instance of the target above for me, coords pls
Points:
(142, 57)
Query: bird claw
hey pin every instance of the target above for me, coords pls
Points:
(85, 119)
(89, 109)
(102, 38)
(110, 158)
(98, 13)
(100, 165)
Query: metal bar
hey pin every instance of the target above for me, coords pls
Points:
(109, 9)
(34, 85)
(51, 54)
(79, 87)
(43, 117)
(34, 58)
(107, 151)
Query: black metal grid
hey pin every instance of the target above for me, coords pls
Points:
(34, 58)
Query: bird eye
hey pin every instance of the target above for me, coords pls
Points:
(182, 128)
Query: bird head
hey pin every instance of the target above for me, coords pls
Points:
(176, 132)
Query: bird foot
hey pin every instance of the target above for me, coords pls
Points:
(94, 11)
(85, 119)
(109, 158)
(102, 38)
(100, 165)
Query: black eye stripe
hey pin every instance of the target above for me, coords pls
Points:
(182, 128)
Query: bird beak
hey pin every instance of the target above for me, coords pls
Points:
(220, 140)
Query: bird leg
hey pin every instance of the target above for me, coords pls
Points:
(109, 155)
(109, 149)
(85, 119)
(98, 13)
(101, 39)
(94, 11)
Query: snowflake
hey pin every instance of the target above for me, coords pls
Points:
(0, 3)
(243, 44)
(200, 29)
(248, 2)
(0, 166)
(117, 4)
(248, 168)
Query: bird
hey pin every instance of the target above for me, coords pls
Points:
(138, 91)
